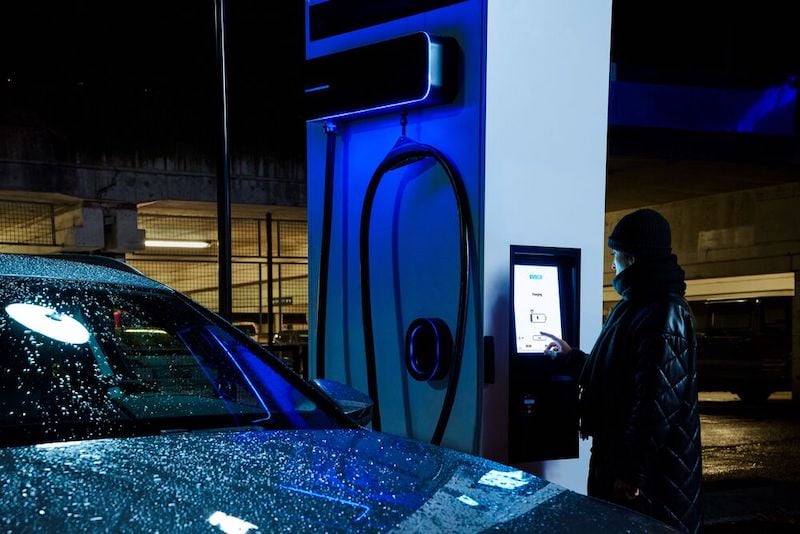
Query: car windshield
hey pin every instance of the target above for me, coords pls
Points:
(85, 360)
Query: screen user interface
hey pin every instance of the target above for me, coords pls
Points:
(537, 306)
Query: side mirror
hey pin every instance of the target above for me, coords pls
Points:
(352, 402)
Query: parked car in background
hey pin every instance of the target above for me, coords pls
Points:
(744, 345)
(291, 337)
(125, 406)
(292, 347)
(248, 327)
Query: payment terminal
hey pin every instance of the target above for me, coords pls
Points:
(544, 297)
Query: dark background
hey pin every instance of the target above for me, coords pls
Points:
(706, 42)
(111, 75)
(104, 76)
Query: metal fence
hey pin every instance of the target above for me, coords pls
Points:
(26, 223)
(269, 270)
(291, 238)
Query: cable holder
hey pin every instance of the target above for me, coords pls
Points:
(329, 127)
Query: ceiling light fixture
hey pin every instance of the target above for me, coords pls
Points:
(172, 243)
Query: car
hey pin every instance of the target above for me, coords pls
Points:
(128, 407)
(292, 347)
(291, 337)
(745, 346)
(248, 327)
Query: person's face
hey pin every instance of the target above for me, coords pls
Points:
(620, 261)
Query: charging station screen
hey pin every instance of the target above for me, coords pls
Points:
(537, 306)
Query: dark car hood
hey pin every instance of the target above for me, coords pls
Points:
(344, 480)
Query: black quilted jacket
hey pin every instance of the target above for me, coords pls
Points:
(639, 398)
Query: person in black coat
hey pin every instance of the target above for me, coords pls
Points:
(638, 387)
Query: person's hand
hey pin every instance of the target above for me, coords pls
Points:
(624, 491)
(557, 345)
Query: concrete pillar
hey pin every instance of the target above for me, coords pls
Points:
(80, 229)
(122, 233)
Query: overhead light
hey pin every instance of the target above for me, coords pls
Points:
(145, 331)
(167, 243)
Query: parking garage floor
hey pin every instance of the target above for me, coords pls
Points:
(751, 463)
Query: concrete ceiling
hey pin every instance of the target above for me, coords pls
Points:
(633, 183)
(648, 168)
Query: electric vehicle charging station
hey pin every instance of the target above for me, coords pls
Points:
(401, 189)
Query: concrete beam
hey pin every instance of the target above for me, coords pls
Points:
(748, 232)
(796, 340)
(135, 186)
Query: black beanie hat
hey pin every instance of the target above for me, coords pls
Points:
(642, 233)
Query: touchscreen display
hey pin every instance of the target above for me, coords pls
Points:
(537, 306)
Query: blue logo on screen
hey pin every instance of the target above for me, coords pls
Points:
(535, 276)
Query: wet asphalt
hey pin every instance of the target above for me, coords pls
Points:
(751, 464)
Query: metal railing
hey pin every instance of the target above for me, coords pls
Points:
(269, 269)
(27, 223)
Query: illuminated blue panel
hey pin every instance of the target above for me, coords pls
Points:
(765, 111)
(777, 104)
(404, 72)
(413, 231)
(333, 17)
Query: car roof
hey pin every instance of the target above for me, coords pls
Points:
(104, 270)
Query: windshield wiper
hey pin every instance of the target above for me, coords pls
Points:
(130, 385)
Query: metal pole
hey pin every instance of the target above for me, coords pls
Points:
(260, 331)
(223, 168)
(270, 280)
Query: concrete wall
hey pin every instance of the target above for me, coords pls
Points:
(746, 232)
(36, 158)
(142, 149)
(270, 182)
(742, 233)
